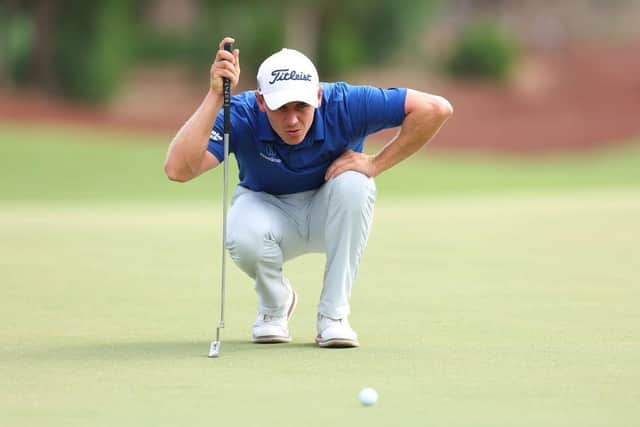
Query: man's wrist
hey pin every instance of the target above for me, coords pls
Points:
(214, 97)
(376, 165)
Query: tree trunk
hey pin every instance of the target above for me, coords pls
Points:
(45, 13)
(302, 26)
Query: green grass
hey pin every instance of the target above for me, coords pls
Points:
(90, 165)
(93, 165)
(504, 299)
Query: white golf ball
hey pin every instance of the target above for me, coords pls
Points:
(368, 396)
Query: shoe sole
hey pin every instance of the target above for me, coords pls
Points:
(337, 343)
(277, 339)
(271, 339)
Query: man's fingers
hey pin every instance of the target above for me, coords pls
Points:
(236, 55)
(332, 167)
(227, 69)
(223, 55)
(350, 160)
(229, 62)
(333, 174)
(224, 73)
(225, 41)
(338, 167)
(342, 169)
(225, 65)
(344, 158)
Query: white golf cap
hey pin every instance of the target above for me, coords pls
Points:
(288, 76)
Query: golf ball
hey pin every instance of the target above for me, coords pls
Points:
(368, 396)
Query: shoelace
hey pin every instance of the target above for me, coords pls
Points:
(330, 320)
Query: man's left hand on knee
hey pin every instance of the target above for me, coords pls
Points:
(351, 160)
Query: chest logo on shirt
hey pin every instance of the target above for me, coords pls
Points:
(270, 154)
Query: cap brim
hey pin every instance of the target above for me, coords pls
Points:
(277, 99)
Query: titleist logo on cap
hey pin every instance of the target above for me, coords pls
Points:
(286, 74)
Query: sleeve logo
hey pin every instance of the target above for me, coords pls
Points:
(215, 136)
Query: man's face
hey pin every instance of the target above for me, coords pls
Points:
(292, 121)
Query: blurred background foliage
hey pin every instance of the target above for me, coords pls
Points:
(483, 50)
(362, 34)
(75, 48)
(82, 49)
(93, 46)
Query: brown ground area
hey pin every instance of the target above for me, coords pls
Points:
(566, 100)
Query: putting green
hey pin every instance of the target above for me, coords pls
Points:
(484, 311)
(493, 292)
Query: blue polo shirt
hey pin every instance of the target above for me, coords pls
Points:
(345, 117)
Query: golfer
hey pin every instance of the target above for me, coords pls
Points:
(305, 184)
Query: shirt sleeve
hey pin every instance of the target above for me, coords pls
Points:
(372, 108)
(239, 120)
(216, 138)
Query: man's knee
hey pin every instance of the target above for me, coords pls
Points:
(353, 189)
(250, 244)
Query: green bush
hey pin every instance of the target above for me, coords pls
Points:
(340, 50)
(94, 45)
(483, 51)
(258, 27)
(367, 32)
(17, 41)
(166, 47)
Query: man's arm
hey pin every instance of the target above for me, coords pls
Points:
(425, 115)
(188, 156)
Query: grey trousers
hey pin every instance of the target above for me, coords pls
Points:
(265, 230)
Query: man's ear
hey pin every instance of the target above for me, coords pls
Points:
(261, 104)
(319, 96)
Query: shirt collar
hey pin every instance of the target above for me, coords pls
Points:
(318, 126)
(266, 132)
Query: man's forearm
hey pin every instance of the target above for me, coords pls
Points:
(419, 127)
(188, 148)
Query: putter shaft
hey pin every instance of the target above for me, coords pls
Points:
(214, 348)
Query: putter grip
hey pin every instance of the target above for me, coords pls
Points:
(226, 88)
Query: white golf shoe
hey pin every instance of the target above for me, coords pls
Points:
(270, 329)
(335, 333)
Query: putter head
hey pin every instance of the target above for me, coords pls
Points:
(214, 349)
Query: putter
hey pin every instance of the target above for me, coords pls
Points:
(214, 348)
